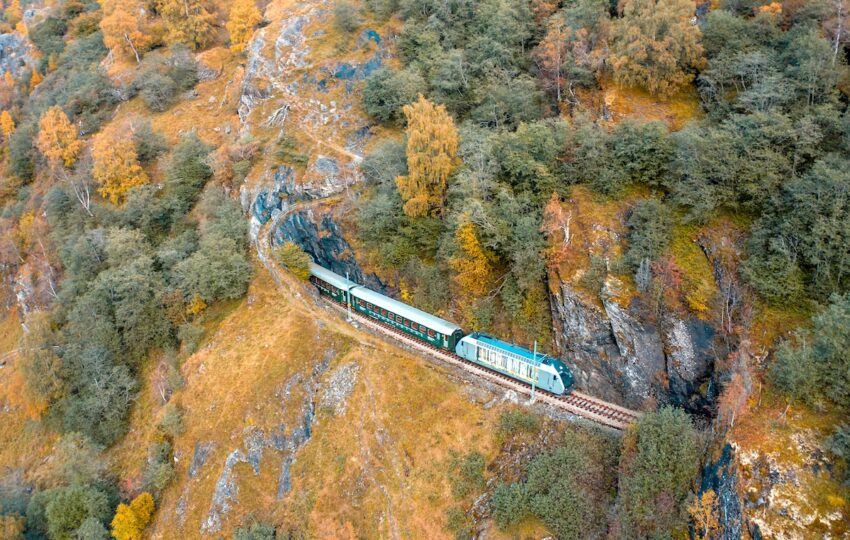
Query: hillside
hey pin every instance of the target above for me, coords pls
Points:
(653, 192)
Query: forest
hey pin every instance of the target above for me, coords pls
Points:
(489, 116)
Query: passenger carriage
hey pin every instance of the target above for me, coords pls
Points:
(330, 283)
(417, 323)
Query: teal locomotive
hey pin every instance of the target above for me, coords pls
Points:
(543, 371)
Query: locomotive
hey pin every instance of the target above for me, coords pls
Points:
(541, 370)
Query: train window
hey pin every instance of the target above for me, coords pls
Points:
(407, 323)
(384, 312)
(431, 333)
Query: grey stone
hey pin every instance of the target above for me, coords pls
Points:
(339, 386)
(199, 457)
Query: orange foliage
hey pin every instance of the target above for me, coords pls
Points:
(123, 27)
(57, 138)
(773, 7)
(35, 80)
(7, 125)
(432, 143)
(116, 166)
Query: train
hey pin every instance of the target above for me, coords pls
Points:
(533, 368)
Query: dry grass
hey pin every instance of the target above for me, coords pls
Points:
(792, 438)
(386, 456)
(626, 103)
(23, 441)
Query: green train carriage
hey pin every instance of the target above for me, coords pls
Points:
(417, 323)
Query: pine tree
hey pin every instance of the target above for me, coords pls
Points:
(123, 27)
(116, 167)
(656, 45)
(244, 15)
(7, 125)
(432, 144)
(186, 21)
(57, 138)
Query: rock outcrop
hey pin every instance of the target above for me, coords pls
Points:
(621, 354)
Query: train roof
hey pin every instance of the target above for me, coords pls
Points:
(408, 312)
(510, 347)
(331, 278)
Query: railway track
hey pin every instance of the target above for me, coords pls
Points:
(576, 403)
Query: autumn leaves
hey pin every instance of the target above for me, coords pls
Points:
(132, 27)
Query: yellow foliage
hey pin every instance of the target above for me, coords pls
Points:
(57, 138)
(244, 15)
(186, 21)
(473, 265)
(196, 305)
(123, 27)
(22, 29)
(36, 79)
(130, 520)
(116, 167)
(125, 524)
(143, 507)
(703, 512)
(14, 13)
(25, 229)
(8, 79)
(7, 125)
(432, 143)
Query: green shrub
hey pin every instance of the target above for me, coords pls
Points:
(48, 36)
(159, 469)
(288, 152)
(150, 144)
(157, 91)
(294, 259)
(466, 473)
(387, 91)
(190, 336)
(346, 16)
(509, 504)
(650, 231)
(60, 512)
(458, 522)
(172, 422)
(219, 270)
(254, 531)
(515, 421)
(817, 366)
(22, 152)
(659, 464)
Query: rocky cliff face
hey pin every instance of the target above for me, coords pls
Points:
(620, 354)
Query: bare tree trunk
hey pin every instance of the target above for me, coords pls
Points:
(132, 46)
(81, 191)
